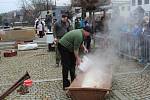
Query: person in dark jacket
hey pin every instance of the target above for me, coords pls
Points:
(60, 28)
(48, 20)
(77, 23)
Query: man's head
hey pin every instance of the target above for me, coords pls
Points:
(64, 18)
(86, 31)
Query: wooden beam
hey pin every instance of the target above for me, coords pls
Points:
(15, 86)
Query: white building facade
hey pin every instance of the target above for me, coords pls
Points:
(122, 7)
(145, 4)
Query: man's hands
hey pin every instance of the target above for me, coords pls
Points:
(85, 49)
(78, 61)
(55, 40)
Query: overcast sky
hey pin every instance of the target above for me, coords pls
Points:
(9, 5)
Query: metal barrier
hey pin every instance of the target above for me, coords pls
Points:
(136, 47)
(145, 48)
(0, 55)
(129, 45)
(103, 41)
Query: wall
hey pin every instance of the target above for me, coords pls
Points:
(146, 7)
(121, 7)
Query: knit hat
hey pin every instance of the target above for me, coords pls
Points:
(87, 28)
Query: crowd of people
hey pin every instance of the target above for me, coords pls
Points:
(135, 37)
(42, 25)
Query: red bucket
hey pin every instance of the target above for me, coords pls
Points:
(27, 83)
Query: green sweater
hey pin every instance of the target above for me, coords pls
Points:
(72, 40)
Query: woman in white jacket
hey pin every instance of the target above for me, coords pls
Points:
(40, 29)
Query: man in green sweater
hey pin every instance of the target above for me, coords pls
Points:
(68, 47)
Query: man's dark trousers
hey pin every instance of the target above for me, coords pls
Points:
(87, 42)
(68, 62)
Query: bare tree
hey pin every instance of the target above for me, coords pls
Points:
(32, 8)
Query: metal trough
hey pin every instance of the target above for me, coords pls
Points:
(79, 92)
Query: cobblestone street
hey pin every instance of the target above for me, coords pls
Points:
(130, 82)
(41, 66)
(104, 46)
(47, 79)
(48, 82)
(133, 86)
(39, 63)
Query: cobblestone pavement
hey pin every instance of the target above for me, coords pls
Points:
(39, 63)
(129, 83)
(48, 82)
(41, 66)
(134, 86)
(50, 90)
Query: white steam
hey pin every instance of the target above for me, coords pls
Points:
(98, 65)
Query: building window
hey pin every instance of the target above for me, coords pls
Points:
(146, 1)
(139, 2)
(133, 2)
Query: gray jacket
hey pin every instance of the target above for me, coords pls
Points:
(61, 28)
